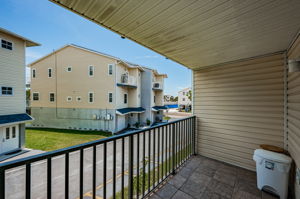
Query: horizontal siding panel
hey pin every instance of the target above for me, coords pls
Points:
(238, 107)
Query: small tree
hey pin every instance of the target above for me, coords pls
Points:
(189, 95)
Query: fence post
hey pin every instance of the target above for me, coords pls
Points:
(130, 167)
(173, 149)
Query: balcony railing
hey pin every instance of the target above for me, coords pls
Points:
(129, 165)
(157, 86)
(128, 80)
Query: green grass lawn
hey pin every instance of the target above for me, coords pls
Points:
(52, 139)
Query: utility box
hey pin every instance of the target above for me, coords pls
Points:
(272, 171)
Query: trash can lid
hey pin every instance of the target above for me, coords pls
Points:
(276, 157)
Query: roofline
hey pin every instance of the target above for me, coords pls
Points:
(29, 43)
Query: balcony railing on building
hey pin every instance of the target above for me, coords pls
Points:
(127, 81)
(129, 165)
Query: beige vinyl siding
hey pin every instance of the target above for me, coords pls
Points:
(12, 74)
(294, 106)
(238, 107)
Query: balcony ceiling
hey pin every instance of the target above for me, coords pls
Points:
(198, 33)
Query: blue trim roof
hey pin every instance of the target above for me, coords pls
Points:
(157, 108)
(126, 85)
(6, 119)
(124, 111)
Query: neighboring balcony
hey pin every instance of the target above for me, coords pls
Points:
(127, 81)
(157, 86)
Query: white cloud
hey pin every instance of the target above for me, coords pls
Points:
(32, 55)
(147, 57)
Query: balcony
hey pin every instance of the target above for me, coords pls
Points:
(127, 81)
(158, 86)
(129, 165)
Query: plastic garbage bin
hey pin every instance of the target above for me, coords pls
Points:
(272, 171)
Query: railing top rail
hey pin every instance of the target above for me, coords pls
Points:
(50, 154)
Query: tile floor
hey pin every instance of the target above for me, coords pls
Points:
(206, 178)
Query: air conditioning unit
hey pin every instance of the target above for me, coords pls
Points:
(94, 117)
(108, 116)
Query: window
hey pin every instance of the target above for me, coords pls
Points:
(110, 69)
(91, 97)
(13, 132)
(154, 98)
(78, 98)
(51, 97)
(35, 96)
(91, 70)
(69, 69)
(110, 97)
(6, 90)
(49, 72)
(69, 98)
(125, 98)
(7, 133)
(183, 99)
(183, 93)
(6, 44)
(33, 73)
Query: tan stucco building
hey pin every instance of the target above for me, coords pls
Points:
(79, 88)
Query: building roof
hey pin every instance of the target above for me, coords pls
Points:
(157, 108)
(29, 43)
(14, 118)
(198, 34)
(124, 111)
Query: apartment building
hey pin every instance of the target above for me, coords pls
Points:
(183, 97)
(79, 88)
(12, 86)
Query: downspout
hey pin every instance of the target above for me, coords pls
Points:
(285, 104)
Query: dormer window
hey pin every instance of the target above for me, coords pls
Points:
(6, 44)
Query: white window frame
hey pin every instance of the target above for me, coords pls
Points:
(13, 133)
(93, 97)
(110, 66)
(68, 69)
(12, 44)
(78, 98)
(89, 70)
(125, 94)
(9, 130)
(50, 97)
(68, 99)
(38, 96)
(112, 97)
(12, 91)
(51, 72)
(33, 71)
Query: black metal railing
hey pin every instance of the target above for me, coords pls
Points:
(123, 166)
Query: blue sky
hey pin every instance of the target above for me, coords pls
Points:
(53, 26)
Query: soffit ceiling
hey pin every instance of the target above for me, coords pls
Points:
(198, 33)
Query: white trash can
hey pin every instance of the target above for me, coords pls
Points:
(272, 171)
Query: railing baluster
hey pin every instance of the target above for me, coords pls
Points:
(194, 135)
(180, 143)
(154, 145)
(166, 151)
(114, 168)
(138, 165)
(158, 154)
(49, 178)
(173, 149)
(169, 134)
(81, 174)
(94, 170)
(144, 161)
(2, 183)
(176, 145)
(67, 176)
(28, 181)
(186, 139)
(123, 162)
(104, 168)
(130, 169)
(162, 152)
(149, 159)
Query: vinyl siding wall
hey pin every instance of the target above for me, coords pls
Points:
(294, 109)
(12, 73)
(238, 107)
